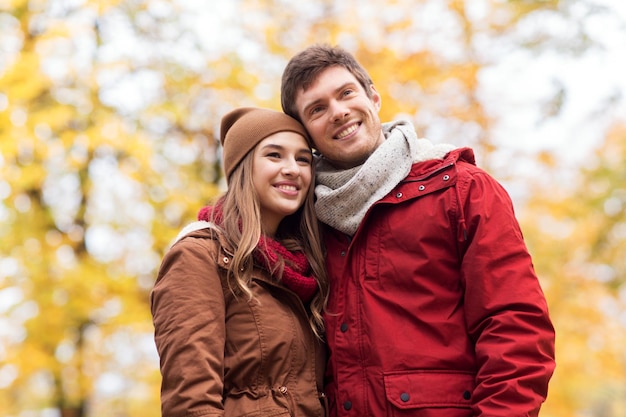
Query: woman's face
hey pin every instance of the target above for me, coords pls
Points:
(281, 175)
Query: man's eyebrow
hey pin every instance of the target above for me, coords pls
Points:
(335, 91)
(344, 85)
(311, 104)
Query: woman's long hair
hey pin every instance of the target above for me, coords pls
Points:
(241, 223)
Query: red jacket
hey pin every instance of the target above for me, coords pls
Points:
(435, 308)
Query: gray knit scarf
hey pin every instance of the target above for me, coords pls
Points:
(344, 196)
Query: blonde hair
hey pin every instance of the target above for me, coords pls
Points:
(241, 224)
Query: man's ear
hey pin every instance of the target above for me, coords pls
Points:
(376, 99)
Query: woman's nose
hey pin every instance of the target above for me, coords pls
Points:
(290, 167)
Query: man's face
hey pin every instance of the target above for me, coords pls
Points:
(341, 119)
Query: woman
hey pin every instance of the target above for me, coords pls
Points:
(238, 300)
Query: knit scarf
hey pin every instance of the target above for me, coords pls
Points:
(345, 196)
(296, 272)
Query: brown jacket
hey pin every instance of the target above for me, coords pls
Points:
(228, 356)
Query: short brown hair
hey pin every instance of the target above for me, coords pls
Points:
(305, 66)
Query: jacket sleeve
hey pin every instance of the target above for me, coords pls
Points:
(506, 311)
(188, 311)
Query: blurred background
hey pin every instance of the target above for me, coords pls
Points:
(109, 116)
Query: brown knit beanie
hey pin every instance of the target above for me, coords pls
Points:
(243, 128)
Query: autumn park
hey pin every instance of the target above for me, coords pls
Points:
(109, 118)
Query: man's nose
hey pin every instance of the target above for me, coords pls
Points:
(338, 110)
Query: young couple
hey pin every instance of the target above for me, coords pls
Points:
(416, 296)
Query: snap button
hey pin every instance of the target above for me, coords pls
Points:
(226, 260)
(398, 195)
(343, 253)
(343, 327)
(446, 177)
(405, 397)
(467, 395)
(283, 390)
(421, 188)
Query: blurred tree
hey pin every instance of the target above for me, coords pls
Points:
(579, 231)
(427, 58)
(92, 192)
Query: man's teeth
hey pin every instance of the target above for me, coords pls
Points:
(346, 132)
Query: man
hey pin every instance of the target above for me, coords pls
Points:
(434, 308)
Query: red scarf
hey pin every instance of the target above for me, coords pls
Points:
(296, 270)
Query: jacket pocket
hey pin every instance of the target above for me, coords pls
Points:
(410, 391)
(263, 412)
